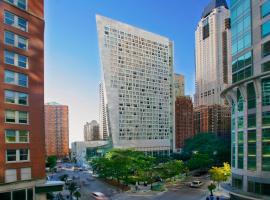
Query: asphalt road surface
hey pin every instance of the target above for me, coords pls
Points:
(89, 184)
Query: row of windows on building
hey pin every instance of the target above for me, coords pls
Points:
(251, 125)
(22, 4)
(253, 186)
(22, 194)
(242, 66)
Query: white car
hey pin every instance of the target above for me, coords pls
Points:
(98, 196)
(196, 184)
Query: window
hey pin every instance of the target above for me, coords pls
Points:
(19, 3)
(233, 149)
(15, 21)
(9, 58)
(9, 38)
(266, 118)
(18, 117)
(16, 59)
(206, 31)
(17, 155)
(17, 136)
(265, 9)
(26, 173)
(266, 66)
(10, 136)
(16, 78)
(242, 67)
(240, 150)
(265, 29)
(10, 116)
(5, 195)
(266, 92)
(252, 150)
(237, 182)
(240, 101)
(15, 40)
(24, 154)
(252, 121)
(251, 96)
(23, 117)
(10, 175)
(11, 155)
(16, 97)
(9, 18)
(22, 80)
(266, 149)
(19, 194)
(266, 49)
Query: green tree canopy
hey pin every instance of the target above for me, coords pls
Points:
(51, 161)
(199, 161)
(214, 146)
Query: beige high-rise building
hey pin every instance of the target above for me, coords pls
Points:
(179, 85)
(212, 54)
(137, 78)
(56, 130)
(91, 131)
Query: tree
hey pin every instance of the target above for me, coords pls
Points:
(210, 144)
(199, 161)
(211, 187)
(173, 168)
(72, 187)
(220, 174)
(77, 194)
(51, 162)
(63, 177)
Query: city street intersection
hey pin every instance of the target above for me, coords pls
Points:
(88, 184)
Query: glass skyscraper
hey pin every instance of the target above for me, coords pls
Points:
(249, 96)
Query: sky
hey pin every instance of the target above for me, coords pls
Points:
(72, 65)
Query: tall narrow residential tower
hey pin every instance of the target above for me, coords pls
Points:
(212, 53)
(137, 71)
(56, 130)
(103, 125)
(249, 96)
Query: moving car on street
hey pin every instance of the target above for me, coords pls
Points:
(196, 184)
(98, 196)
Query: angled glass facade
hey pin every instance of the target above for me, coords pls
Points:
(249, 95)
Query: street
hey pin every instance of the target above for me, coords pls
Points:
(88, 184)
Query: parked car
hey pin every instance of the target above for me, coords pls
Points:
(98, 196)
(196, 184)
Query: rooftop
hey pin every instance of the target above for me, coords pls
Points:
(212, 5)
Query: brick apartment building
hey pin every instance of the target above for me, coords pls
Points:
(22, 139)
(184, 121)
(56, 130)
(213, 119)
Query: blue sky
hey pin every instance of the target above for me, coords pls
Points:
(72, 69)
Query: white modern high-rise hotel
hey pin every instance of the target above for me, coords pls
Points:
(212, 54)
(137, 76)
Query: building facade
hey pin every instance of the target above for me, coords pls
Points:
(137, 75)
(56, 130)
(213, 119)
(212, 54)
(81, 151)
(91, 131)
(179, 85)
(184, 121)
(249, 97)
(22, 138)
